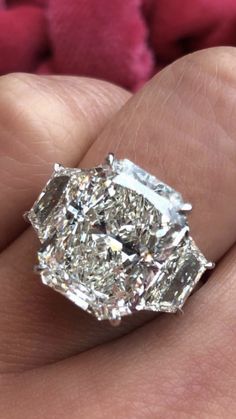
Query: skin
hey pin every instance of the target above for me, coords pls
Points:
(55, 360)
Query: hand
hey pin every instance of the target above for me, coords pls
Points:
(57, 361)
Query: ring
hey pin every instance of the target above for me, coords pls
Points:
(115, 240)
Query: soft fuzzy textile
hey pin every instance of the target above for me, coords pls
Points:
(23, 38)
(104, 39)
(120, 41)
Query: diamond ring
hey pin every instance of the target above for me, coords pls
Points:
(115, 240)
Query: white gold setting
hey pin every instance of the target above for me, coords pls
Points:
(115, 240)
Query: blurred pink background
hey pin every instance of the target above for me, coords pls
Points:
(122, 41)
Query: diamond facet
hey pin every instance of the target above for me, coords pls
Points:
(115, 240)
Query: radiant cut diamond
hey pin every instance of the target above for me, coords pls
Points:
(115, 240)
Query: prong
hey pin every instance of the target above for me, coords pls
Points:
(184, 233)
(115, 322)
(210, 265)
(180, 311)
(58, 167)
(110, 159)
(186, 207)
(38, 269)
(26, 216)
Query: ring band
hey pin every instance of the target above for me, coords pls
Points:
(115, 240)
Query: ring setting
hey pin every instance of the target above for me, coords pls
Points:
(115, 240)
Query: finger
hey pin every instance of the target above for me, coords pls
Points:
(45, 120)
(182, 367)
(181, 128)
(178, 116)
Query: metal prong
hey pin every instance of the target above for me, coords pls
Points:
(210, 265)
(58, 167)
(183, 233)
(186, 207)
(110, 159)
(38, 269)
(116, 321)
(26, 216)
(180, 310)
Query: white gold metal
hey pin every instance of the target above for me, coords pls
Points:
(115, 240)
(110, 159)
(210, 265)
(26, 216)
(58, 167)
(186, 206)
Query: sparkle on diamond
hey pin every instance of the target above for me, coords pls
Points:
(114, 240)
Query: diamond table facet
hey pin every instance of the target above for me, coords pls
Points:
(115, 240)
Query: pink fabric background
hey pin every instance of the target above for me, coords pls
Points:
(124, 42)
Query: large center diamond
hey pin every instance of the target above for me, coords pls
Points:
(115, 240)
